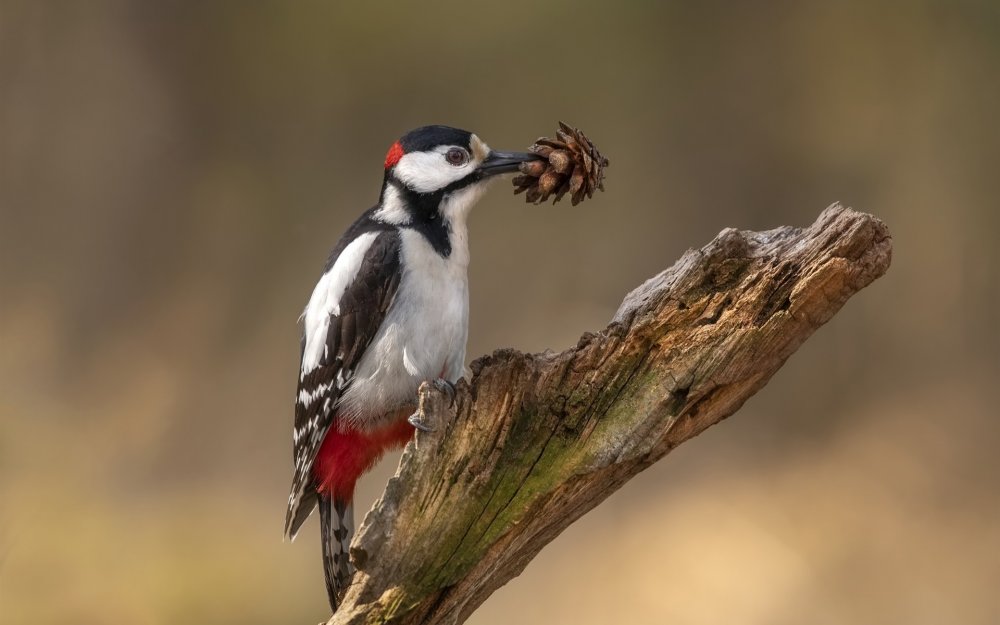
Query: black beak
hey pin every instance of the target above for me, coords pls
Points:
(504, 162)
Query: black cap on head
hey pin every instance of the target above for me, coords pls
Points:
(429, 137)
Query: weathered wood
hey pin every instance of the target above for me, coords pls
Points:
(534, 441)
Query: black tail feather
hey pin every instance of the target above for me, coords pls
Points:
(336, 530)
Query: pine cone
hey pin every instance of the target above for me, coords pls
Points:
(573, 166)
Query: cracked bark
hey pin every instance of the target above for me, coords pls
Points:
(534, 441)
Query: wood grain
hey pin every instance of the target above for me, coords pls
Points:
(534, 441)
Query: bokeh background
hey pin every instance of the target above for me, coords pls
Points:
(172, 175)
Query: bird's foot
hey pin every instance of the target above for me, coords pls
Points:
(419, 418)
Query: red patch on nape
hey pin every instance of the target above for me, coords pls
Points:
(393, 155)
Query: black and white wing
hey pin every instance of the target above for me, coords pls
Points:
(344, 314)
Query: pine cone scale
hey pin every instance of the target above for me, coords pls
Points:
(572, 164)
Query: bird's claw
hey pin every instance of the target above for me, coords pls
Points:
(414, 420)
(447, 388)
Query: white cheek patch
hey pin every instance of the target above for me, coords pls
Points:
(426, 172)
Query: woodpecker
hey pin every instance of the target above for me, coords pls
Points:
(390, 311)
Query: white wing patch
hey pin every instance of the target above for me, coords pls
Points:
(325, 300)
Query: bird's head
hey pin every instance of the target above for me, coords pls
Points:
(439, 168)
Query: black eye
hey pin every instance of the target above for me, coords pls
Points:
(457, 156)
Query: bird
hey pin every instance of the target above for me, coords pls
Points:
(390, 311)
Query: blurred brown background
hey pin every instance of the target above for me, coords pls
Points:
(172, 175)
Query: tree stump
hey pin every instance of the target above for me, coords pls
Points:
(534, 441)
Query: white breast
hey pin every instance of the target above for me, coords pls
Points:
(423, 336)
